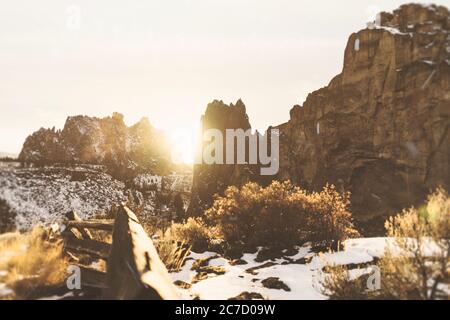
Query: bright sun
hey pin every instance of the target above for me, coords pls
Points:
(183, 142)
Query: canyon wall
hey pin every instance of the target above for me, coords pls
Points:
(379, 129)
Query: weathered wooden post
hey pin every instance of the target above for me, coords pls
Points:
(134, 269)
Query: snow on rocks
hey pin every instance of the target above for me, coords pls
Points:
(394, 31)
(299, 275)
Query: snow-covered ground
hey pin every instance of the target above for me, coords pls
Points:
(302, 276)
(42, 195)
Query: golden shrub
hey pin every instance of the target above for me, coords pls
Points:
(193, 232)
(280, 214)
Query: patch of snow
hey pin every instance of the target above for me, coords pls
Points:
(299, 278)
(431, 44)
(4, 290)
(67, 295)
(394, 31)
(428, 6)
(429, 62)
(97, 265)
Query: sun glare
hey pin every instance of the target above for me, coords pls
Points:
(183, 142)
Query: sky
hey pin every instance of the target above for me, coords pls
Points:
(167, 60)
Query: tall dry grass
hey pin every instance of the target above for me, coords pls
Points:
(29, 263)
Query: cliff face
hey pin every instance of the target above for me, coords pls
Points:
(380, 128)
(105, 141)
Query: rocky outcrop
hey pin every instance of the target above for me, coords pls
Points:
(209, 180)
(380, 128)
(107, 141)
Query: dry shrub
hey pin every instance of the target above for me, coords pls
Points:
(31, 263)
(193, 232)
(280, 215)
(416, 264)
(338, 285)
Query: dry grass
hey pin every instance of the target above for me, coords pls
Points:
(172, 253)
(29, 263)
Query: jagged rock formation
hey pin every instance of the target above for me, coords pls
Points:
(108, 141)
(213, 179)
(380, 128)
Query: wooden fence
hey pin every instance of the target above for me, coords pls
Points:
(133, 267)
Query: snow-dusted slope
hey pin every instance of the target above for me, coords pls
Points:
(42, 195)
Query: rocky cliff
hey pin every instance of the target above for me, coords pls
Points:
(125, 150)
(213, 179)
(380, 128)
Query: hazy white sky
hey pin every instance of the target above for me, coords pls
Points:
(167, 59)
